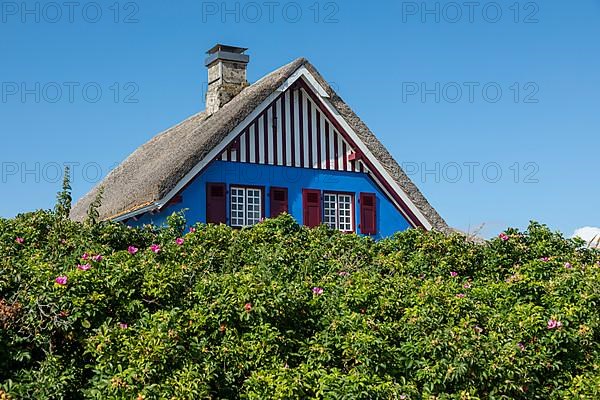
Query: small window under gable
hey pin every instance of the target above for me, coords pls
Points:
(338, 211)
(247, 206)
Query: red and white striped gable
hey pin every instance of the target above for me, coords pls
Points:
(293, 131)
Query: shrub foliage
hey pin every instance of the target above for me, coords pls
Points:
(281, 311)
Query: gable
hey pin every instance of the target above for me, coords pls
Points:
(294, 131)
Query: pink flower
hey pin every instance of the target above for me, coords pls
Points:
(552, 324)
(568, 265)
(97, 258)
(155, 248)
(343, 273)
(20, 240)
(317, 291)
(132, 250)
(467, 285)
(123, 325)
(61, 280)
(503, 236)
(460, 295)
(85, 256)
(84, 267)
(544, 259)
(192, 229)
(521, 346)
(453, 274)
(248, 307)
(179, 241)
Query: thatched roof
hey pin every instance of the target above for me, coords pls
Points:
(155, 168)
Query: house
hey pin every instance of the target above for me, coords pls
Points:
(287, 143)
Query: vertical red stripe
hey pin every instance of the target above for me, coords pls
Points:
(301, 127)
(327, 161)
(283, 131)
(318, 117)
(292, 129)
(336, 152)
(256, 144)
(344, 156)
(266, 135)
(310, 134)
(274, 122)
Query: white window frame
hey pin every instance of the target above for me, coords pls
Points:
(246, 205)
(338, 211)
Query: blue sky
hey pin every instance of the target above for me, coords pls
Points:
(459, 95)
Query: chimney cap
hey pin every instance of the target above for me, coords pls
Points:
(223, 52)
(225, 48)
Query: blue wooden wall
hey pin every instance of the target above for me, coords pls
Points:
(389, 219)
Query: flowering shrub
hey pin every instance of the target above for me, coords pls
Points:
(281, 311)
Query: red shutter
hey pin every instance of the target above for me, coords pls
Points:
(311, 205)
(216, 203)
(279, 201)
(368, 213)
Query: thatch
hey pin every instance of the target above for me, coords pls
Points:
(154, 169)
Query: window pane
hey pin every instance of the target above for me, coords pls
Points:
(330, 210)
(345, 212)
(254, 206)
(237, 206)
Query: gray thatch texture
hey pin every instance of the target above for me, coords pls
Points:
(154, 169)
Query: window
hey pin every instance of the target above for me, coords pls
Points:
(246, 206)
(338, 211)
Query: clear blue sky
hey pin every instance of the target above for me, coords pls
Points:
(376, 54)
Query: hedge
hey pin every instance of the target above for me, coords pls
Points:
(103, 311)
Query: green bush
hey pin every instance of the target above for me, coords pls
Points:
(281, 311)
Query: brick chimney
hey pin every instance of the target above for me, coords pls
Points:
(226, 75)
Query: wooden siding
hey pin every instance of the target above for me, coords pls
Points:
(293, 132)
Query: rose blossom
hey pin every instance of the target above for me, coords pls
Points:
(61, 280)
(84, 267)
(317, 290)
(155, 248)
(179, 241)
(132, 250)
(552, 324)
